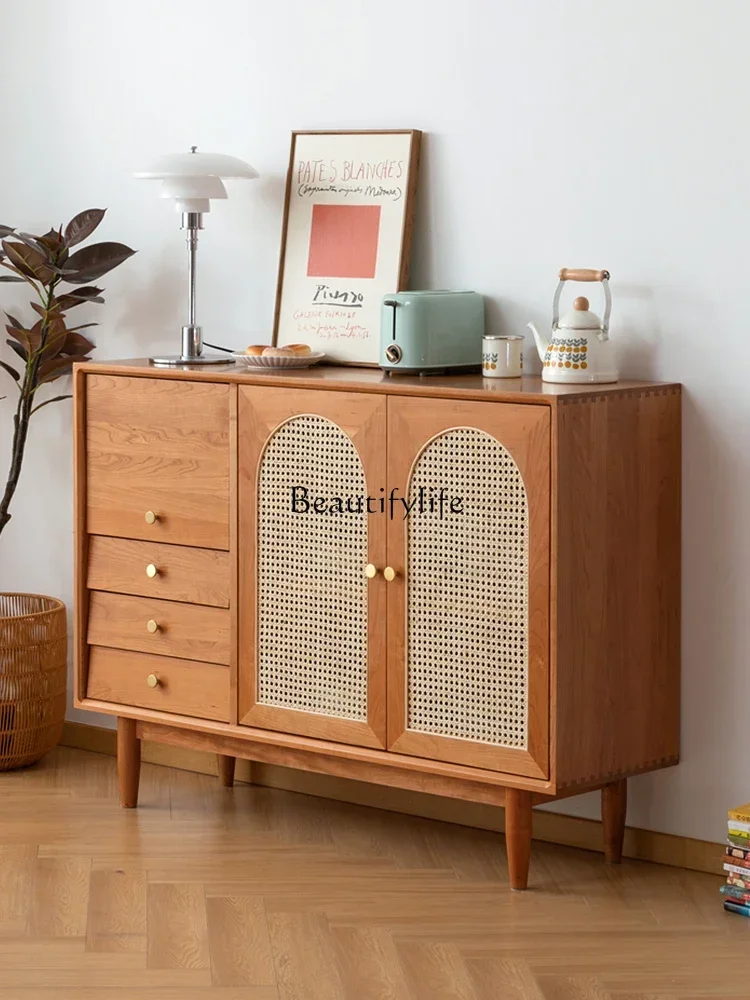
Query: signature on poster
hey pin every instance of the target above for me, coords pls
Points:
(337, 297)
(346, 191)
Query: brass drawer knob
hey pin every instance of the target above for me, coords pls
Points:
(152, 626)
(371, 571)
(152, 680)
(151, 571)
(390, 574)
(151, 518)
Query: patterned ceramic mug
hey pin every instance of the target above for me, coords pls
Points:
(502, 357)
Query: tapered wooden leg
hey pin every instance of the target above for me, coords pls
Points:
(518, 835)
(226, 769)
(128, 762)
(614, 808)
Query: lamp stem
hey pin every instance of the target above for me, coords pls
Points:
(192, 242)
(192, 335)
(192, 339)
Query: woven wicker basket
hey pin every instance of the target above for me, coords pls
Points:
(33, 676)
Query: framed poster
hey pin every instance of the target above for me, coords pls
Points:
(346, 239)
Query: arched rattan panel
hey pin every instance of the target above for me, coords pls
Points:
(467, 593)
(312, 589)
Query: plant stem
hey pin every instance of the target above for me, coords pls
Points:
(20, 433)
(23, 414)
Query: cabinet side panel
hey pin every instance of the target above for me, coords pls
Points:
(80, 537)
(233, 557)
(616, 590)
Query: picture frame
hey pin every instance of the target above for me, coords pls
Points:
(346, 238)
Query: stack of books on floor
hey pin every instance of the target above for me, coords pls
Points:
(737, 862)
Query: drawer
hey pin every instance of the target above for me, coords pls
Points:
(157, 460)
(163, 627)
(180, 686)
(151, 569)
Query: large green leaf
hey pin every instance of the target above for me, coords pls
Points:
(82, 226)
(92, 262)
(10, 277)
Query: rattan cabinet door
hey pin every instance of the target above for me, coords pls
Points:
(312, 623)
(468, 610)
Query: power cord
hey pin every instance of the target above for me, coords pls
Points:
(215, 347)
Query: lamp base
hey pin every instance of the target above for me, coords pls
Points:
(175, 360)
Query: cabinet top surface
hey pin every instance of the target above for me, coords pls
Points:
(527, 389)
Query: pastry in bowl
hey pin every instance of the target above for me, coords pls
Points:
(264, 356)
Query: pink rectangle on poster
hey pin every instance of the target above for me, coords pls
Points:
(343, 241)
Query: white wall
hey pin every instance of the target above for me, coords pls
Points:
(559, 132)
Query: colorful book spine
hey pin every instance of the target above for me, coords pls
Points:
(738, 827)
(738, 841)
(737, 895)
(733, 851)
(737, 908)
(739, 883)
(741, 813)
(737, 862)
(743, 873)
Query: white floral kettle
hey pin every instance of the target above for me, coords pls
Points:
(580, 349)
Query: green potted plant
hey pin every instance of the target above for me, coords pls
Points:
(33, 633)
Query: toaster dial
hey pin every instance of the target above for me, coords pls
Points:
(394, 353)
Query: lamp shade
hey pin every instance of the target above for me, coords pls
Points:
(197, 165)
(192, 178)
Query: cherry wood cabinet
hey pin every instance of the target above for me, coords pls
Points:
(459, 586)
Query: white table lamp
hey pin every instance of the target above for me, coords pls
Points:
(191, 180)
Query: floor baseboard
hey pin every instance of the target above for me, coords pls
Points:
(554, 828)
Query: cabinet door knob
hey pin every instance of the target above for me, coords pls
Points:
(151, 571)
(152, 680)
(371, 571)
(390, 574)
(152, 626)
(151, 518)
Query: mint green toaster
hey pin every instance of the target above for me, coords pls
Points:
(431, 332)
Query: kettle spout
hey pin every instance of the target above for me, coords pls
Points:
(541, 342)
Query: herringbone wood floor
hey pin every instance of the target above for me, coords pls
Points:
(259, 894)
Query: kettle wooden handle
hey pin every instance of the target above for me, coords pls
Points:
(583, 274)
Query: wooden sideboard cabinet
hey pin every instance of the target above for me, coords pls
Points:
(513, 640)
